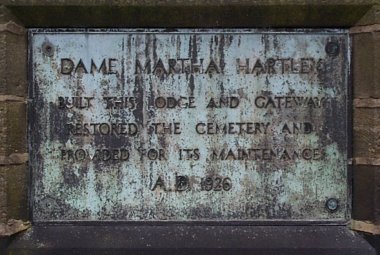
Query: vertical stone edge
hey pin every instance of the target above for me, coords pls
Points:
(13, 147)
(366, 126)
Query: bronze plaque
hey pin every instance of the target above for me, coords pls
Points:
(189, 125)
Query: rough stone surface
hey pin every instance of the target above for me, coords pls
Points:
(366, 198)
(17, 192)
(197, 240)
(13, 226)
(13, 63)
(6, 15)
(366, 138)
(14, 159)
(12, 128)
(371, 17)
(13, 192)
(175, 13)
(374, 240)
(366, 65)
(366, 132)
(3, 197)
(186, 2)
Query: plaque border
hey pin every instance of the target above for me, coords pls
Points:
(31, 112)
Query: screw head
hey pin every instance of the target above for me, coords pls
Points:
(332, 49)
(48, 49)
(332, 204)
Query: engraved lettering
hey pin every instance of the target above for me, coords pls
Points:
(190, 125)
(165, 128)
(139, 69)
(267, 154)
(120, 102)
(112, 65)
(74, 102)
(237, 128)
(216, 183)
(159, 184)
(159, 68)
(116, 129)
(171, 102)
(153, 154)
(80, 67)
(212, 68)
(304, 65)
(102, 68)
(68, 66)
(182, 183)
(281, 102)
(242, 67)
(189, 154)
(169, 66)
(80, 155)
(297, 128)
(230, 102)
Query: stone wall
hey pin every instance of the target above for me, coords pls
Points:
(361, 16)
(13, 147)
(366, 129)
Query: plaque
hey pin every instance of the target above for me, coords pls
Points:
(189, 125)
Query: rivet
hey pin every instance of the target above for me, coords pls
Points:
(48, 49)
(332, 204)
(332, 48)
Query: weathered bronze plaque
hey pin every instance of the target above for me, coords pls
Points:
(216, 125)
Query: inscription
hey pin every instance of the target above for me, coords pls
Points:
(120, 102)
(217, 183)
(231, 102)
(87, 129)
(239, 128)
(189, 126)
(97, 155)
(198, 184)
(171, 102)
(179, 66)
(259, 66)
(267, 154)
(105, 66)
(74, 102)
(165, 128)
(290, 102)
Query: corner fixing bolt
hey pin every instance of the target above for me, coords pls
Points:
(332, 205)
(48, 49)
(332, 49)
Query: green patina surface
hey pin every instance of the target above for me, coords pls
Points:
(74, 179)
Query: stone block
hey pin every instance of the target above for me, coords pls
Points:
(6, 15)
(371, 17)
(190, 239)
(366, 64)
(366, 136)
(3, 196)
(13, 57)
(366, 193)
(196, 13)
(13, 192)
(12, 128)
